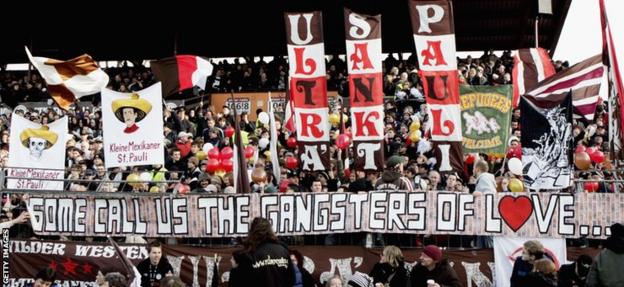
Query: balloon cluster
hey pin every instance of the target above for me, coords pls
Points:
(220, 160)
(584, 157)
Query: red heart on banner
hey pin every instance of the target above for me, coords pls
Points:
(515, 211)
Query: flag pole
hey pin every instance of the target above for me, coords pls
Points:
(241, 178)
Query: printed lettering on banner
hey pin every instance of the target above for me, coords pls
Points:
(436, 53)
(367, 123)
(446, 122)
(364, 56)
(307, 61)
(312, 124)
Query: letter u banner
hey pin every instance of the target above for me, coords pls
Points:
(308, 87)
(434, 37)
(363, 40)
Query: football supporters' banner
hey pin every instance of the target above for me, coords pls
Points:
(547, 142)
(37, 151)
(508, 249)
(486, 112)
(530, 67)
(616, 88)
(555, 215)
(181, 72)
(133, 127)
(308, 87)
(69, 80)
(432, 24)
(363, 39)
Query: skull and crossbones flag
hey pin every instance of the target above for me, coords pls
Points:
(36, 152)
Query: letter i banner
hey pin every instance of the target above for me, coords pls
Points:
(364, 63)
(308, 87)
(434, 37)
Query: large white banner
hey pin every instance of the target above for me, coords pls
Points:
(133, 127)
(36, 151)
(507, 249)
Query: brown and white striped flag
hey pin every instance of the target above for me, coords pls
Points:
(69, 80)
(530, 67)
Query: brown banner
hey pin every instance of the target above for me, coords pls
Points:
(554, 215)
(79, 263)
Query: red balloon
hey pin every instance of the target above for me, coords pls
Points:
(348, 133)
(343, 141)
(470, 159)
(291, 142)
(580, 148)
(212, 165)
(283, 185)
(597, 157)
(591, 186)
(214, 153)
(227, 165)
(249, 152)
(292, 162)
(226, 153)
(591, 150)
(229, 131)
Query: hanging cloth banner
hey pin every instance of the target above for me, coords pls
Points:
(364, 63)
(486, 114)
(308, 87)
(432, 24)
(37, 151)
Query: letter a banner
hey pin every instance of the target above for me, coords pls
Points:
(486, 112)
(432, 24)
(308, 87)
(133, 127)
(363, 39)
(37, 152)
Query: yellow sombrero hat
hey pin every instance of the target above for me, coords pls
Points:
(142, 106)
(42, 132)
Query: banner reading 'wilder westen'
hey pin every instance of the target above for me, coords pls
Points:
(526, 215)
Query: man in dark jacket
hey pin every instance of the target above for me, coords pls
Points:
(270, 262)
(392, 178)
(433, 271)
(532, 250)
(575, 274)
(608, 267)
(154, 268)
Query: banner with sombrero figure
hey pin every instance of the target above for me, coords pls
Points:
(36, 152)
(133, 127)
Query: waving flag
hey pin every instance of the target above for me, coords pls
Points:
(181, 72)
(530, 67)
(69, 80)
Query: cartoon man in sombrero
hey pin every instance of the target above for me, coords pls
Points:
(38, 140)
(130, 111)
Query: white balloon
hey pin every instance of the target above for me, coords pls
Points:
(515, 165)
(423, 146)
(263, 117)
(263, 143)
(207, 147)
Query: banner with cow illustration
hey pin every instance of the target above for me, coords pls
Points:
(364, 63)
(486, 115)
(557, 215)
(37, 153)
(133, 127)
(308, 87)
(434, 37)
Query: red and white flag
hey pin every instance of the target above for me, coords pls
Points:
(583, 79)
(530, 67)
(69, 80)
(181, 72)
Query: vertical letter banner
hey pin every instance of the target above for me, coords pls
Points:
(547, 142)
(432, 24)
(363, 39)
(486, 112)
(508, 249)
(133, 127)
(37, 152)
(308, 87)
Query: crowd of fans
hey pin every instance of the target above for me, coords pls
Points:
(190, 132)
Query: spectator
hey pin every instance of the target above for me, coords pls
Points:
(154, 268)
(608, 268)
(486, 182)
(390, 270)
(431, 266)
(44, 278)
(392, 178)
(335, 281)
(303, 278)
(544, 274)
(359, 279)
(532, 250)
(575, 274)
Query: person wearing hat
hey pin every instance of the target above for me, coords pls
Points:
(392, 178)
(575, 273)
(131, 111)
(359, 279)
(433, 271)
(38, 140)
(607, 269)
